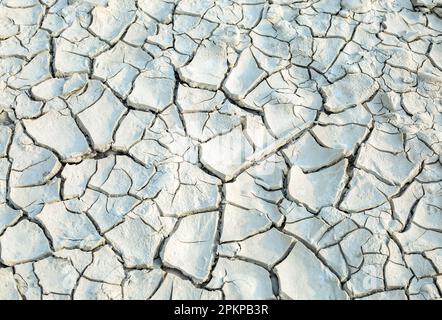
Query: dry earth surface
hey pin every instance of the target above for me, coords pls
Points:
(217, 149)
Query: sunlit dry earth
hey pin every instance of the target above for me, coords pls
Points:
(202, 149)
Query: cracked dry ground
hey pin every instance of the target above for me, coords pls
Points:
(202, 149)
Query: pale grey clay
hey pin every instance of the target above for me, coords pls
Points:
(220, 149)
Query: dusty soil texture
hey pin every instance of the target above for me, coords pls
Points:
(220, 149)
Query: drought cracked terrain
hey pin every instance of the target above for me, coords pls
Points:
(217, 149)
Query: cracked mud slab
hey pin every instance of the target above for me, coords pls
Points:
(228, 149)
